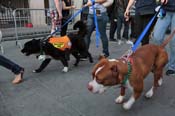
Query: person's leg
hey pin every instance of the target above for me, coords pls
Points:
(90, 28)
(126, 29)
(53, 16)
(146, 19)
(113, 27)
(138, 26)
(102, 22)
(132, 35)
(160, 29)
(119, 27)
(171, 63)
(64, 28)
(15, 68)
(159, 36)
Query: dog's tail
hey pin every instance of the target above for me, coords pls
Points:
(167, 40)
(82, 28)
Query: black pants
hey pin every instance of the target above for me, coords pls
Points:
(64, 28)
(120, 21)
(141, 23)
(132, 23)
(113, 27)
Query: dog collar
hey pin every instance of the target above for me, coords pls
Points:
(126, 77)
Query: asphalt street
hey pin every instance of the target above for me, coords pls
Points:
(54, 93)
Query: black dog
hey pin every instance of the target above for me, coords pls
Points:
(78, 48)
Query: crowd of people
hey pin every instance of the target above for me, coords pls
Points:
(130, 13)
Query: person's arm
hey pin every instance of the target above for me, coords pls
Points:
(67, 7)
(59, 8)
(89, 3)
(164, 1)
(108, 3)
(126, 14)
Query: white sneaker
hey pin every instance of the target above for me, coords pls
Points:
(83, 59)
(119, 42)
(129, 42)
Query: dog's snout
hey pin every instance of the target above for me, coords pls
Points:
(90, 87)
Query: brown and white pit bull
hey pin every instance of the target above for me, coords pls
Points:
(130, 74)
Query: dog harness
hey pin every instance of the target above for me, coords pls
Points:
(61, 43)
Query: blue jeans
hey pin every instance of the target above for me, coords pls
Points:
(159, 35)
(16, 69)
(102, 21)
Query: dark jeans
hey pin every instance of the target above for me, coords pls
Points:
(113, 27)
(120, 22)
(64, 28)
(102, 22)
(141, 23)
(132, 23)
(10, 65)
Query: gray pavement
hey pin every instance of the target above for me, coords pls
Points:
(54, 93)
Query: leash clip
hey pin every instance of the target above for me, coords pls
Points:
(127, 54)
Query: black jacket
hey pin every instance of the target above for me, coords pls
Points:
(145, 7)
(170, 6)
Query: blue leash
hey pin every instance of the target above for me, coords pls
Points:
(145, 30)
(143, 33)
(96, 24)
(78, 12)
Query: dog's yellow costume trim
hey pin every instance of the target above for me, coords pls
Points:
(61, 43)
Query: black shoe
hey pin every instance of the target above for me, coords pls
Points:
(168, 31)
(170, 72)
(105, 55)
(112, 39)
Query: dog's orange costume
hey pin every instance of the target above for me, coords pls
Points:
(61, 43)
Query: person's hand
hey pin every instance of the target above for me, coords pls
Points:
(126, 15)
(164, 1)
(89, 3)
(60, 16)
(73, 7)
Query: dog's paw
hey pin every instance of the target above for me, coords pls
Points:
(127, 106)
(36, 71)
(119, 99)
(65, 69)
(41, 57)
(160, 81)
(150, 93)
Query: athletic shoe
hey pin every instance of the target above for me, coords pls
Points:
(170, 72)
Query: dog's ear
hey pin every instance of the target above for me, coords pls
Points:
(114, 67)
(34, 40)
(98, 65)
